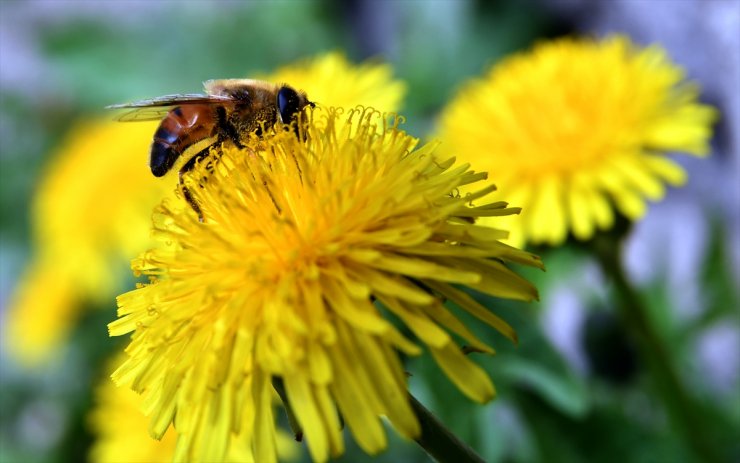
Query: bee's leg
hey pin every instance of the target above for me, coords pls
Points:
(226, 128)
(187, 167)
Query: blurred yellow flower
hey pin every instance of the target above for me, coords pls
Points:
(88, 215)
(575, 127)
(331, 80)
(301, 242)
(92, 209)
(121, 436)
(120, 429)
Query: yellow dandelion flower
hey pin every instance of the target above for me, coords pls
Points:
(331, 80)
(92, 209)
(300, 244)
(87, 215)
(120, 430)
(575, 126)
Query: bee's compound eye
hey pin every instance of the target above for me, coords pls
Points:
(289, 103)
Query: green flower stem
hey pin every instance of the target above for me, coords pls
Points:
(438, 441)
(681, 407)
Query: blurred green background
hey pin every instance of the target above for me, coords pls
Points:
(574, 389)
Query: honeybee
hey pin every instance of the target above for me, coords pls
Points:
(231, 109)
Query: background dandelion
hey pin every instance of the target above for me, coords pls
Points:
(63, 60)
(575, 128)
(79, 250)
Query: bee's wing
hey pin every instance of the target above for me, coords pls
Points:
(156, 108)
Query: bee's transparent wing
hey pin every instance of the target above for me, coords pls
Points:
(157, 108)
(143, 114)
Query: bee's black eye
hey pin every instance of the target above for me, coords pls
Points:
(289, 103)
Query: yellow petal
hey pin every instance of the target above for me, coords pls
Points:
(392, 392)
(467, 376)
(264, 438)
(474, 308)
(417, 322)
(304, 406)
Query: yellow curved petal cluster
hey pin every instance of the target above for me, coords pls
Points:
(301, 245)
(576, 127)
(92, 208)
(120, 429)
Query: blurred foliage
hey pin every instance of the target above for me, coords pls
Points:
(547, 409)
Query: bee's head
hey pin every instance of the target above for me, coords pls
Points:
(290, 103)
